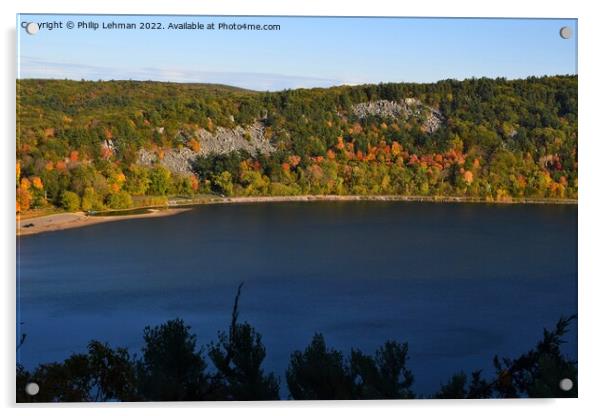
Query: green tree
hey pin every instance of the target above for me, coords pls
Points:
(171, 369)
(183, 185)
(238, 356)
(160, 181)
(91, 200)
(119, 200)
(384, 375)
(138, 180)
(319, 373)
(537, 373)
(254, 182)
(101, 374)
(223, 183)
(456, 387)
(70, 201)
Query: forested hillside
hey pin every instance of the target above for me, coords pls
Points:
(96, 145)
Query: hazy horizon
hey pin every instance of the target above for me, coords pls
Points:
(306, 52)
(217, 84)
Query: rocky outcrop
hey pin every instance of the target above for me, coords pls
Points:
(408, 108)
(433, 121)
(223, 140)
(252, 138)
(383, 108)
(176, 160)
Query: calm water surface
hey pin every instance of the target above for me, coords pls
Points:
(459, 282)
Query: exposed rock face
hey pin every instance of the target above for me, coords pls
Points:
(223, 140)
(382, 108)
(408, 108)
(176, 160)
(433, 121)
(252, 138)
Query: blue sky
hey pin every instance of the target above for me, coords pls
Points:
(305, 52)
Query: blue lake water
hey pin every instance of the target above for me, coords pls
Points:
(459, 282)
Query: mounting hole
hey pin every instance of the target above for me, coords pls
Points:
(32, 389)
(32, 28)
(566, 32)
(566, 384)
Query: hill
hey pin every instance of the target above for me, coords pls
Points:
(93, 145)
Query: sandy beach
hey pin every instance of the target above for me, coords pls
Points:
(63, 221)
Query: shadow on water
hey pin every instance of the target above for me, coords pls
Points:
(123, 212)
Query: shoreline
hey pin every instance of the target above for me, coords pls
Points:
(384, 198)
(68, 220)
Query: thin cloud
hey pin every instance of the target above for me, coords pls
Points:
(36, 68)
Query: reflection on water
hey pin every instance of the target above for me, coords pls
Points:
(122, 212)
(459, 282)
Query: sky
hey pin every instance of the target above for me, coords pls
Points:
(304, 52)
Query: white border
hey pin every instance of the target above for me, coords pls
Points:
(590, 151)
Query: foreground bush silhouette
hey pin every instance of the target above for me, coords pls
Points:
(103, 374)
(536, 373)
(172, 368)
(322, 374)
(237, 357)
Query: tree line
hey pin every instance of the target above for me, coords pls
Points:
(498, 140)
(172, 367)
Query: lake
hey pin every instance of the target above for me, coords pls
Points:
(459, 282)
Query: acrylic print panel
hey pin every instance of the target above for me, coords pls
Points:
(291, 208)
